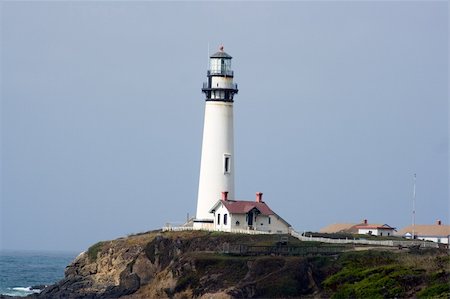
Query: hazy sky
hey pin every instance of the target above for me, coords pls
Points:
(339, 104)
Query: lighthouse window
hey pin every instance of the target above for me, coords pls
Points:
(215, 65)
(226, 164)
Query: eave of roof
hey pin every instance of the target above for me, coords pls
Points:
(221, 54)
(375, 226)
(243, 207)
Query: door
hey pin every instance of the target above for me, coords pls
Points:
(250, 218)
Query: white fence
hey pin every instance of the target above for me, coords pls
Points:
(169, 228)
(366, 242)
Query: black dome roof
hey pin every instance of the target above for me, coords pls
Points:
(220, 54)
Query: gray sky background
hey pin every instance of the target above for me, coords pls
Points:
(340, 103)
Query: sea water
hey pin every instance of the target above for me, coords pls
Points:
(21, 270)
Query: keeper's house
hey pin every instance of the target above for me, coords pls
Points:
(438, 232)
(363, 228)
(233, 215)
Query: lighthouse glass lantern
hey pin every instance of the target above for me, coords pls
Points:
(220, 86)
(220, 66)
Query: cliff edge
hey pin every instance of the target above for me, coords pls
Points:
(202, 265)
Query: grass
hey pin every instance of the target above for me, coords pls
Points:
(376, 282)
(380, 274)
(437, 290)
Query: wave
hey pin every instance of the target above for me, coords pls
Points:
(20, 291)
(27, 289)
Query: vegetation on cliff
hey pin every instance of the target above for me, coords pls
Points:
(381, 274)
(199, 264)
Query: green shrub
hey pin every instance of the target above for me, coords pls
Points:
(94, 250)
(386, 281)
(440, 290)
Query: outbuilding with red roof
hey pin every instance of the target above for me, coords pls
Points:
(375, 229)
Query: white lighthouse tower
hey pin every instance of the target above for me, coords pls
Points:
(217, 162)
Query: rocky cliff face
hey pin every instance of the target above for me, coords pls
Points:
(191, 265)
(180, 265)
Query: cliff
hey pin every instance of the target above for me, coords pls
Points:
(194, 264)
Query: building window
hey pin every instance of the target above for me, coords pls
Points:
(226, 163)
(218, 219)
(225, 219)
(237, 223)
(269, 219)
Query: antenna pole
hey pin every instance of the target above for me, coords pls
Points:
(207, 65)
(414, 209)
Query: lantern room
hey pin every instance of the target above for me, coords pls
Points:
(220, 85)
(220, 64)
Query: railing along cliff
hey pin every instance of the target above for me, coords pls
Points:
(169, 228)
(390, 243)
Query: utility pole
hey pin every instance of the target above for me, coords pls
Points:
(414, 209)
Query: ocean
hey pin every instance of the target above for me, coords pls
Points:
(21, 270)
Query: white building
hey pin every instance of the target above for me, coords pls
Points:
(233, 215)
(438, 232)
(217, 162)
(382, 230)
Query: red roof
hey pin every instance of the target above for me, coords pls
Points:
(242, 206)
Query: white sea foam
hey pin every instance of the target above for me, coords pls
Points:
(22, 291)
(80, 254)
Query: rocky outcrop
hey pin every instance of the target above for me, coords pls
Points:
(193, 265)
(180, 265)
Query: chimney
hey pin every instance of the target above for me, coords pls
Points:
(225, 195)
(439, 222)
(259, 197)
(365, 221)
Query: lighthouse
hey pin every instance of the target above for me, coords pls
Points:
(217, 161)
